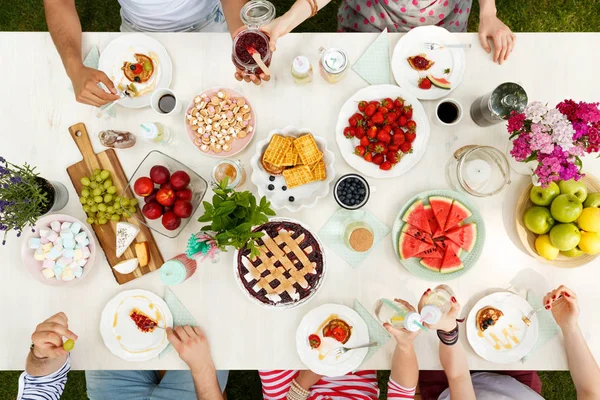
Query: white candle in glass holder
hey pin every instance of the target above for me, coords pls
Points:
(477, 171)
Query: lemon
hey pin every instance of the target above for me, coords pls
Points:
(590, 242)
(589, 220)
(545, 248)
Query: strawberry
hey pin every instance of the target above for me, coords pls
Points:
(360, 150)
(372, 132)
(424, 83)
(370, 110)
(364, 141)
(411, 125)
(393, 157)
(410, 136)
(384, 137)
(368, 157)
(387, 129)
(349, 132)
(383, 110)
(388, 103)
(377, 118)
(390, 117)
(386, 166)
(398, 139)
(370, 123)
(371, 147)
(399, 102)
(405, 147)
(375, 103)
(394, 147)
(379, 148)
(360, 132)
(408, 112)
(355, 120)
(362, 105)
(402, 121)
(378, 159)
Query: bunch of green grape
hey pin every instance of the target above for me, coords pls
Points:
(100, 201)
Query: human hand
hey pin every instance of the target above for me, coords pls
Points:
(193, 348)
(502, 37)
(242, 75)
(566, 312)
(448, 320)
(403, 337)
(85, 85)
(47, 338)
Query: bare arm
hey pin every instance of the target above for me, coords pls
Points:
(231, 10)
(491, 27)
(454, 362)
(405, 367)
(207, 386)
(584, 369)
(48, 355)
(65, 29)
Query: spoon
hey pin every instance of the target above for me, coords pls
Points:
(257, 58)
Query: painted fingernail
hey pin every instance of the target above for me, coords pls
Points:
(566, 294)
(547, 301)
(547, 307)
(553, 297)
(453, 299)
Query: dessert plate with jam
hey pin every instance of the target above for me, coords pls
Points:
(293, 185)
(411, 61)
(139, 64)
(496, 331)
(289, 269)
(324, 329)
(133, 325)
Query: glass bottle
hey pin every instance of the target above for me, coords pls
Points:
(398, 315)
(156, 132)
(254, 14)
(437, 304)
(302, 71)
(333, 64)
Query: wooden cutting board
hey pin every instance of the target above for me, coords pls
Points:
(106, 233)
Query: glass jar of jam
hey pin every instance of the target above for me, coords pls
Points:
(254, 14)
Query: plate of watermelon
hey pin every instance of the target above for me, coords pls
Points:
(439, 235)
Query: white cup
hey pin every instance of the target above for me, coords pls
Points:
(458, 106)
(158, 94)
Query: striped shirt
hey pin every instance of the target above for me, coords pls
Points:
(362, 385)
(49, 387)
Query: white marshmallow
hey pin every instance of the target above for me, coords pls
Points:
(35, 243)
(75, 228)
(82, 262)
(49, 264)
(48, 273)
(85, 242)
(65, 225)
(57, 271)
(45, 231)
(66, 234)
(69, 253)
(55, 225)
(81, 237)
(77, 271)
(69, 243)
(39, 254)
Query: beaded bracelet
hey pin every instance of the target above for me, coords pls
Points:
(297, 392)
(313, 7)
(448, 338)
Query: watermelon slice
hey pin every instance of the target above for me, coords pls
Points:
(416, 233)
(451, 261)
(417, 217)
(433, 264)
(458, 213)
(441, 208)
(464, 236)
(433, 224)
(435, 252)
(408, 246)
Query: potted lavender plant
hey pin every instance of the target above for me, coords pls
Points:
(25, 196)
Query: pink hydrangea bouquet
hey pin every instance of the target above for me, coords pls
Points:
(556, 138)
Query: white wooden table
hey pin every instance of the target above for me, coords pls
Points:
(37, 107)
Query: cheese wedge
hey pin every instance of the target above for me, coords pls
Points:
(126, 234)
(127, 266)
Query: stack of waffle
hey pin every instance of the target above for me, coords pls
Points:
(298, 159)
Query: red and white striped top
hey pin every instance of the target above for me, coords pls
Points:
(362, 385)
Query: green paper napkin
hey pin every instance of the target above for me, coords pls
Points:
(374, 65)
(332, 233)
(548, 328)
(181, 316)
(376, 331)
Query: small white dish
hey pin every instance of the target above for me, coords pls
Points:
(158, 94)
(305, 196)
(511, 324)
(331, 365)
(412, 44)
(120, 334)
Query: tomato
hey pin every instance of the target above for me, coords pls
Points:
(314, 341)
(338, 334)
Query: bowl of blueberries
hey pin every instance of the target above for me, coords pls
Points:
(351, 191)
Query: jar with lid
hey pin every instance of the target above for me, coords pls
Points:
(302, 70)
(254, 14)
(333, 64)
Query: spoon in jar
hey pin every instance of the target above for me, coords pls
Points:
(257, 58)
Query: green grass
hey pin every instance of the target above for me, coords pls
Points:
(519, 15)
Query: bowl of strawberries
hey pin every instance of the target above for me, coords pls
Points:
(382, 131)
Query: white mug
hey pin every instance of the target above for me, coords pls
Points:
(458, 106)
(158, 94)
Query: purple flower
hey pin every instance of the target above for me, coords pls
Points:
(588, 112)
(2, 160)
(521, 147)
(16, 179)
(4, 171)
(581, 130)
(559, 165)
(5, 186)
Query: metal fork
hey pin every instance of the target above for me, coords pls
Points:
(343, 350)
(103, 111)
(435, 46)
(527, 319)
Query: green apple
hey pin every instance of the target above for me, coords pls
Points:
(574, 252)
(538, 220)
(592, 200)
(564, 236)
(566, 208)
(544, 196)
(574, 187)
(545, 248)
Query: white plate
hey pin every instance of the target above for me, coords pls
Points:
(411, 44)
(305, 196)
(122, 49)
(332, 366)
(514, 308)
(115, 323)
(347, 146)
